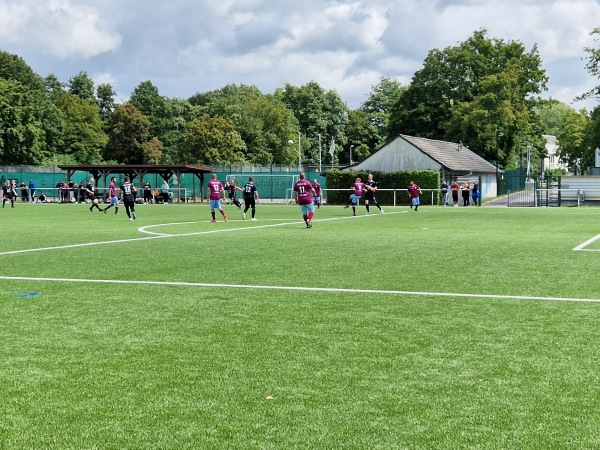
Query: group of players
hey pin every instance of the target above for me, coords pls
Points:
(128, 191)
(368, 189)
(306, 195)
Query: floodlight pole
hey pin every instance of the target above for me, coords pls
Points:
(320, 153)
(299, 153)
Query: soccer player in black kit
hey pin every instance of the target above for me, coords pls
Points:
(230, 188)
(8, 193)
(250, 197)
(128, 191)
(371, 188)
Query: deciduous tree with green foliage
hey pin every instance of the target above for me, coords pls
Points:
(262, 121)
(83, 137)
(30, 126)
(82, 86)
(319, 112)
(472, 92)
(128, 133)
(378, 106)
(574, 139)
(211, 140)
(22, 139)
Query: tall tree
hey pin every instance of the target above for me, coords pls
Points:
(464, 74)
(319, 112)
(146, 98)
(128, 133)
(84, 137)
(363, 136)
(592, 65)
(263, 122)
(574, 139)
(105, 95)
(211, 140)
(378, 106)
(22, 139)
(498, 109)
(54, 87)
(37, 126)
(82, 86)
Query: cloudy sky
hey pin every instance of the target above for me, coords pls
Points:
(189, 46)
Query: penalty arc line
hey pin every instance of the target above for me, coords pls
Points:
(305, 289)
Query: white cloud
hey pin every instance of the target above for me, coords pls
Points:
(193, 46)
(61, 28)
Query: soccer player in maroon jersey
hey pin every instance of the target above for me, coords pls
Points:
(358, 187)
(215, 189)
(413, 192)
(112, 193)
(303, 194)
(317, 198)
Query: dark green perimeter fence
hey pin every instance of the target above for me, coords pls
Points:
(273, 184)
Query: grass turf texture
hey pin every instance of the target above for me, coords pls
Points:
(97, 365)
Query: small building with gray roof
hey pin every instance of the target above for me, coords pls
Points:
(454, 161)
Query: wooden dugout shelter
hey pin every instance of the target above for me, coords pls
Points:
(138, 171)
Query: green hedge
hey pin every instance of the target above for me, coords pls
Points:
(336, 179)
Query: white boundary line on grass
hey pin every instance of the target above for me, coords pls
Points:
(164, 235)
(582, 247)
(304, 289)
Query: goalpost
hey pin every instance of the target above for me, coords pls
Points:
(271, 188)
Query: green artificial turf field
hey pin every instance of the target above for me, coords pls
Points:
(442, 328)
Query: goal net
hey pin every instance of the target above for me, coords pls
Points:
(271, 188)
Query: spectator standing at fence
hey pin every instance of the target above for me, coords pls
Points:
(215, 189)
(128, 191)
(8, 194)
(230, 188)
(59, 188)
(31, 187)
(164, 192)
(466, 193)
(113, 198)
(455, 188)
(303, 195)
(370, 190)
(358, 188)
(413, 193)
(71, 191)
(147, 193)
(444, 189)
(250, 198)
(317, 198)
(475, 192)
(24, 192)
(82, 192)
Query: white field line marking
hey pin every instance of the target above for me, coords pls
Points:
(250, 227)
(163, 236)
(303, 288)
(583, 246)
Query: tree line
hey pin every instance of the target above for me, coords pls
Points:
(484, 92)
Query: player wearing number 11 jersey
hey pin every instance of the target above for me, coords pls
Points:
(303, 194)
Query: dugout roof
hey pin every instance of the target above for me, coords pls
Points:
(133, 171)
